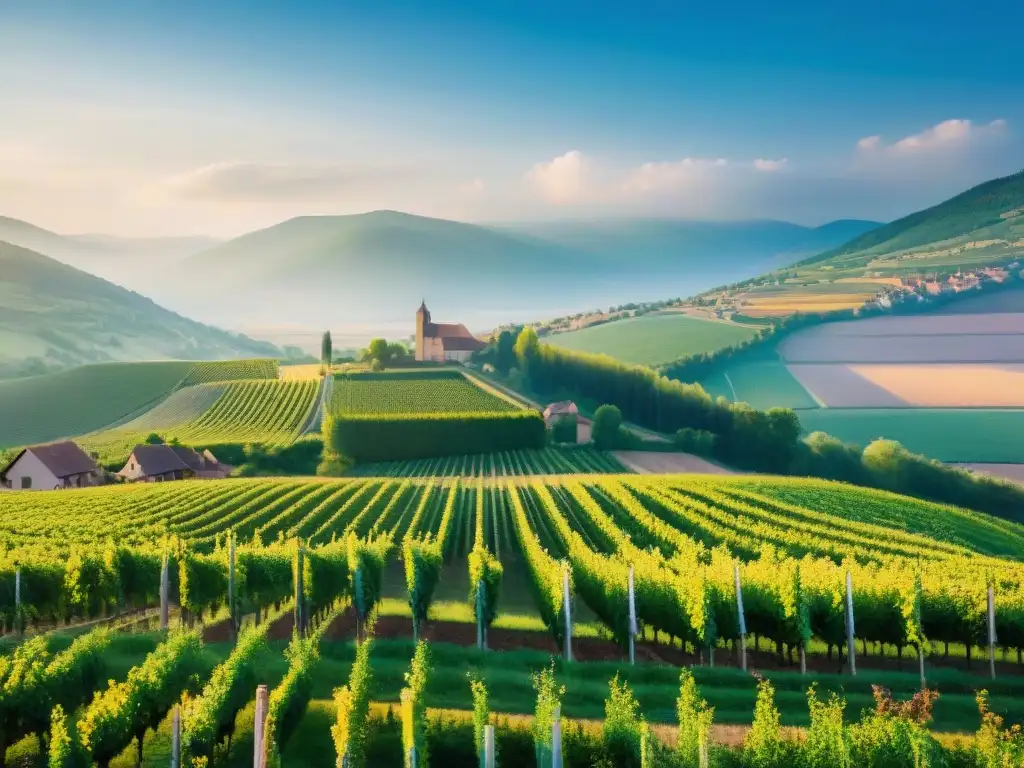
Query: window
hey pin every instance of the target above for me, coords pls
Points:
(131, 465)
(26, 482)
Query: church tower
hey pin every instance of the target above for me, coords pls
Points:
(422, 324)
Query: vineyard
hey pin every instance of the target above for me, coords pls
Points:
(416, 392)
(94, 397)
(681, 535)
(545, 461)
(270, 412)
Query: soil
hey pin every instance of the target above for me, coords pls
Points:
(596, 649)
(658, 463)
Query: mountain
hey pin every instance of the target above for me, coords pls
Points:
(53, 316)
(374, 268)
(131, 262)
(991, 213)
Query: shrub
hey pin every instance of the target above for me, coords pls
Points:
(392, 437)
(763, 747)
(352, 702)
(606, 431)
(549, 699)
(622, 732)
(564, 430)
(699, 442)
(826, 745)
(695, 719)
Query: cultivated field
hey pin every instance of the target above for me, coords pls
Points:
(918, 386)
(995, 338)
(416, 392)
(654, 339)
(763, 385)
(919, 572)
(517, 463)
(950, 434)
(269, 412)
(82, 400)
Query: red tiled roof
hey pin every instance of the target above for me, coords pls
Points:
(447, 331)
(461, 344)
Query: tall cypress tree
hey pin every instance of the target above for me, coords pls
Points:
(325, 348)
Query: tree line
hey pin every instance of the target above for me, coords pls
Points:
(747, 438)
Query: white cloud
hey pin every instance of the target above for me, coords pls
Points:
(768, 166)
(665, 176)
(869, 143)
(562, 179)
(948, 134)
(473, 188)
(235, 181)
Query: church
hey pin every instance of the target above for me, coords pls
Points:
(441, 342)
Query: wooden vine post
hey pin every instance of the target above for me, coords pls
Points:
(567, 607)
(259, 755)
(849, 624)
(165, 592)
(992, 631)
(232, 608)
(632, 619)
(742, 619)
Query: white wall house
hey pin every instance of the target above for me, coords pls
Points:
(45, 467)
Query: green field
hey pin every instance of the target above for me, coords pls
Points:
(654, 339)
(269, 412)
(86, 399)
(767, 384)
(916, 567)
(416, 392)
(522, 463)
(948, 434)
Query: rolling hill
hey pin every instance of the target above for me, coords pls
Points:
(132, 262)
(990, 213)
(53, 317)
(378, 266)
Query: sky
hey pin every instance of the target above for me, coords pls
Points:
(150, 118)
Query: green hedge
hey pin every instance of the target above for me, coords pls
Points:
(382, 437)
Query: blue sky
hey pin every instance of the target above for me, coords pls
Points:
(149, 118)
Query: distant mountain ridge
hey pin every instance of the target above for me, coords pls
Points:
(53, 316)
(377, 266)
(128, 261)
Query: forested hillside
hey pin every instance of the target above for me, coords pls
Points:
(54, 317)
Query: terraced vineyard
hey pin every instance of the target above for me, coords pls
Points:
(416, 392)
(90, 398)
(271, 412)
(794, 542)
(546, 461)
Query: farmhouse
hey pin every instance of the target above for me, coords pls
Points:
(441, 342)
(57, 465)
(159, 463)
(561, 410)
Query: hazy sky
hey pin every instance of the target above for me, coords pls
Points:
(199, 117)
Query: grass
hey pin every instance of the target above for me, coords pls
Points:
(416, 392)
(763, 384)
(86, 399)
(947, 434)
(654, 339)
(508, 675)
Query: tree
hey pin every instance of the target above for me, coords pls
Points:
(606, 431)
(506, 352)
(527, 349)
(325, 348)
(377, 350)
